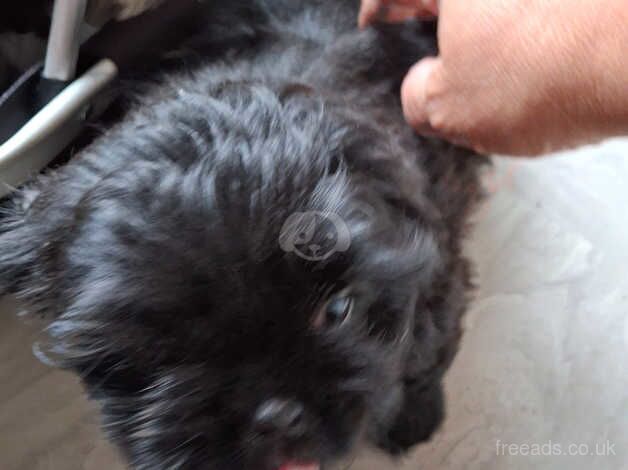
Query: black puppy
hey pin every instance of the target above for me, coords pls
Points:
(259, 268)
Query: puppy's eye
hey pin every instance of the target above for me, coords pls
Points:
(335, 312)
(338, 310)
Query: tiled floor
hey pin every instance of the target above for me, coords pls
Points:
(544, 361)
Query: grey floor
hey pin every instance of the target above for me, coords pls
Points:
(543, 370)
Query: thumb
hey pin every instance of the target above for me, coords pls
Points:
(414, 94)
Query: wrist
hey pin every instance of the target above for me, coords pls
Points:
(582, 91)
(606, 93)
(613, 71)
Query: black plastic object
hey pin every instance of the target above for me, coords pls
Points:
(139, 43)
(29, 94)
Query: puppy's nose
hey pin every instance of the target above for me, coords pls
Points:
(285, 417)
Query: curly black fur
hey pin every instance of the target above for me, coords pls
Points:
(156, 252)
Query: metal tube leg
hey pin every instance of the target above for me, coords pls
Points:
(64, 39)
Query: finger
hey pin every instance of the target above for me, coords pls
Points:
(368, 11)
(395, 13)
(395, 10)
(431, 7)
(413, 92)
(416, 107)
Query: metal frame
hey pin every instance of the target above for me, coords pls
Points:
(64, 39)
(54, 126)
(47, 110)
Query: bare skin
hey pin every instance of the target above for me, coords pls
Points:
(520, 77)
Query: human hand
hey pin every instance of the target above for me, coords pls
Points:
(522, 77)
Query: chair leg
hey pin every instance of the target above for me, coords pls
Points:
(64, 39)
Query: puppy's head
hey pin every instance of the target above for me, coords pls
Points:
(238, 294)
